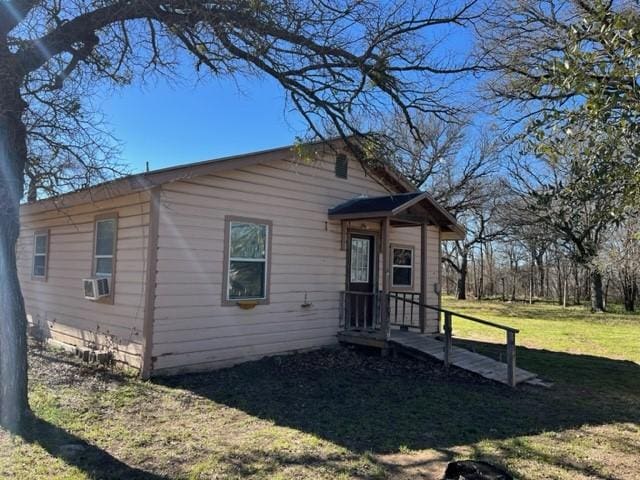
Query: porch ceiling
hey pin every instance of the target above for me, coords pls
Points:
(405, 209)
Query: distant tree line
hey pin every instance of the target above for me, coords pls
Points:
(516, 269)
(532, 235)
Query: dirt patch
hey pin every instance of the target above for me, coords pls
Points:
(56, 368)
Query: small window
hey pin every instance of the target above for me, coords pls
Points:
(402, 267)
(40, 254)
(248, 259)
(105, 245)
(342, 165)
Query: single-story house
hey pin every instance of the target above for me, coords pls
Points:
(206, 265)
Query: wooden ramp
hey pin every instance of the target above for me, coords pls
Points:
(417, 344)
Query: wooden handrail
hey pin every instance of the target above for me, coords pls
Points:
(448, 334)
(461, 315)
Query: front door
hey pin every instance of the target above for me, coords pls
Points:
(360, 297)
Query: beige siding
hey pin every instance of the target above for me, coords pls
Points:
(411, 237)
(192, 330)
(58, 306)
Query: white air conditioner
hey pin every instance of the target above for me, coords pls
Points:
(95, 288)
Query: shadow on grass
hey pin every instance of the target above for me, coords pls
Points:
(370, 404)
(93, 461)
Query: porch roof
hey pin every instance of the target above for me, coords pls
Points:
(404, 209)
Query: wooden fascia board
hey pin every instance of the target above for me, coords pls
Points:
(454, 225)
(410, 203)
(454, 233)
(359, 216)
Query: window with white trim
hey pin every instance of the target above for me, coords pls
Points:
(104, 247)
(402, 267)
(247, 267)
(40, 254)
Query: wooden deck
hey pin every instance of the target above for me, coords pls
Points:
(417, 344)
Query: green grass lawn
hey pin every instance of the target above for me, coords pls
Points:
(546, 326)
(341, 413)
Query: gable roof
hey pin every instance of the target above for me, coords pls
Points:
(393, 205)
(148, 180)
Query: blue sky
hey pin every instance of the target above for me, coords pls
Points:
(168, 123)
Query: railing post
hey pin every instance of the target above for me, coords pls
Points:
(423, 277)
(511, 358)
(448, 330)
(347, 311)
(422, 313)
(385, 226)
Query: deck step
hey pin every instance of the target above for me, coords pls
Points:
(420, 344)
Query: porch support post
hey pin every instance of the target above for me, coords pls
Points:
(384, 308)
(423, 277)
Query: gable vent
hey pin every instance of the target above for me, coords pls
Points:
(342, 165)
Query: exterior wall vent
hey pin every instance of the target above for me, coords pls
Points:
(342, 165)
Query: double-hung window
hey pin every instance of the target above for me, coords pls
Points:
(402, 267)
(104, 246)
(40, 254)
(247, 269)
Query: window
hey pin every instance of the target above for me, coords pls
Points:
(104, 247)
(342, 165)
(40, 254)
(360, 260)
(247, 250)
(402, 267)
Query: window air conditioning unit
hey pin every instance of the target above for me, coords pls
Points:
(95, 288)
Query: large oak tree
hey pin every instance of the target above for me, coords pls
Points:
(336, 60)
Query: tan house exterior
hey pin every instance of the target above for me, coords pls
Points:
(184, 246)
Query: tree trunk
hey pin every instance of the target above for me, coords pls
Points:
(515, 280)
(629, 293)
(597, 297)
(541, 275)
(481, 282)
(462, 279)
(13, 323)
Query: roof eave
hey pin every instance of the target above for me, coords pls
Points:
(148, 180)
